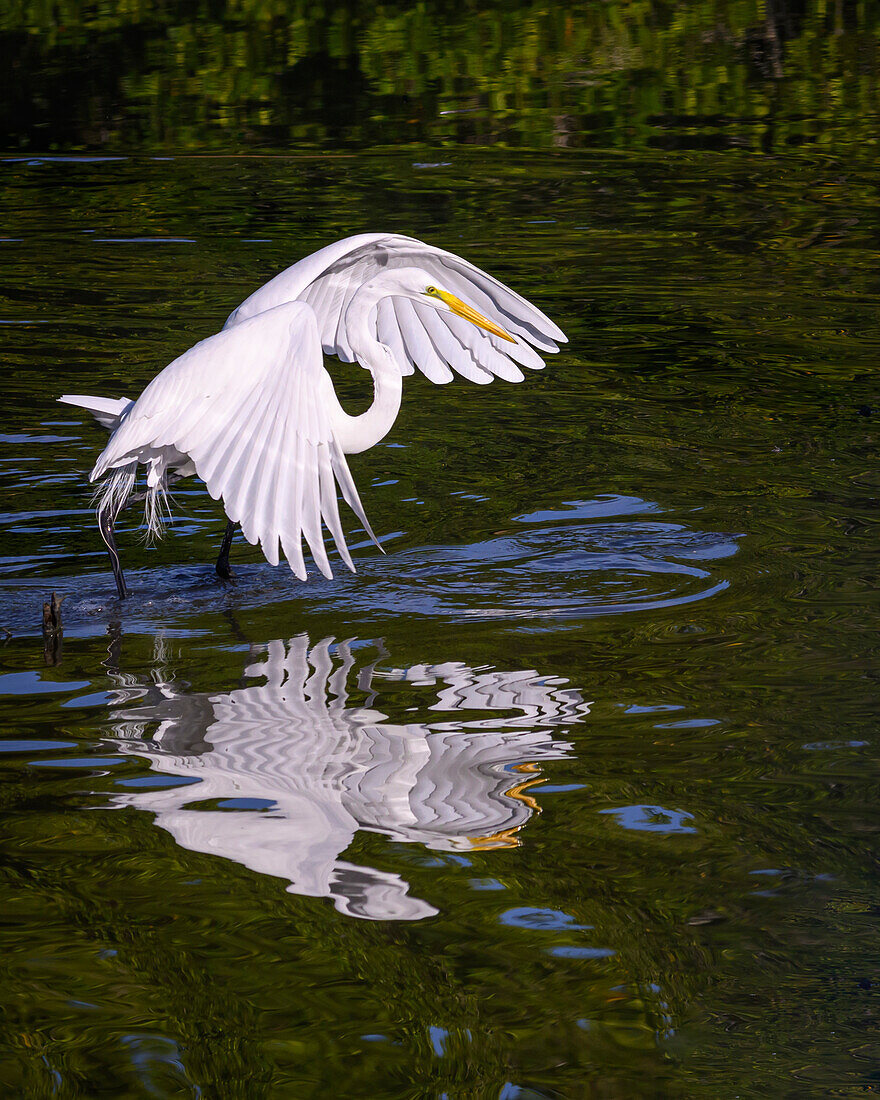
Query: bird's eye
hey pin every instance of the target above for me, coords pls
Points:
(431, 290)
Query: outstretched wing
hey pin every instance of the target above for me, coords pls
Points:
(251, 407)
(437, 343)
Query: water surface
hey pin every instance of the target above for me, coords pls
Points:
(571, 792)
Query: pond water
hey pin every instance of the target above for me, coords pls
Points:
(571, 793)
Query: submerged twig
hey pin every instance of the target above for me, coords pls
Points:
(53, 629)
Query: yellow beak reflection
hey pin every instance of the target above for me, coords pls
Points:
(458, 307)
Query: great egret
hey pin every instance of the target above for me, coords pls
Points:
(252, 410)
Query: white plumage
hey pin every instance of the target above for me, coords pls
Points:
(328, 280)
(252, 409)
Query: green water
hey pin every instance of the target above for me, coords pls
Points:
(572, 793)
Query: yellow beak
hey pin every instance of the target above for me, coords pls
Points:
(458, 307)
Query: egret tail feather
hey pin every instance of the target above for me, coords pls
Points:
(156, 510)
(111, 496)
(117, 490)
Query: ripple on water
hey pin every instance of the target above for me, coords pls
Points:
(590, 558)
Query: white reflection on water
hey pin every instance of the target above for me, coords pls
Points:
(289, 770)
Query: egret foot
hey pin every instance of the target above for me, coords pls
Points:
(105, 526)
(222, 567)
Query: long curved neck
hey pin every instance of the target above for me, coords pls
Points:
(358, 433)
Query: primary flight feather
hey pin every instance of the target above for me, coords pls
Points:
(252, 410)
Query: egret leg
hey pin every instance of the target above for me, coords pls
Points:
(105, 526)
(222, 566)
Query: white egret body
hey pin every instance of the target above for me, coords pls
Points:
(252, 410)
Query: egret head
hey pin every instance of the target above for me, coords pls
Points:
(417, 285)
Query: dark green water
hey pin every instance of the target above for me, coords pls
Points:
(572, 793)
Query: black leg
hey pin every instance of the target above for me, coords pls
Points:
(105, 526)
(222, 566)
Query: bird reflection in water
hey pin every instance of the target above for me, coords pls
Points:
(288, 771)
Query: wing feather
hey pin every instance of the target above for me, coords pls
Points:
(388, 330)
(291, 532)
(311, 522)
(349, 491)
(268, 484)
(329, 506)
(483, 351)
(448, 348)
(418, 343)
(329, 279)
(248, 407)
